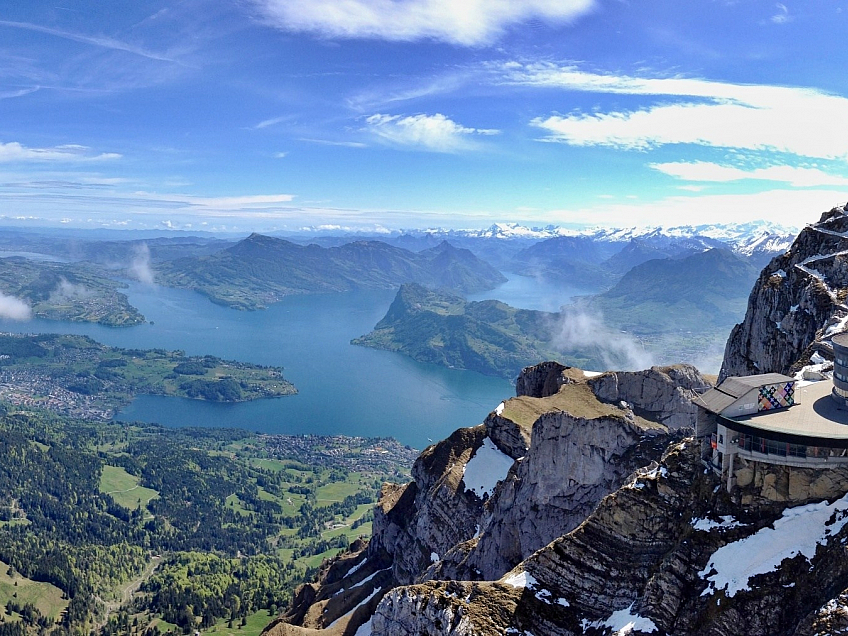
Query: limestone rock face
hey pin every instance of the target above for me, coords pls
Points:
(641, 563)
(662, 394)
(433, 513)
(572, 463)
(541, 380)
(796, 305)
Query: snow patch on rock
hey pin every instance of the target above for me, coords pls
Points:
(799, 531)
(488, 467)
(705, 525)
(623, 622)
(521, 580)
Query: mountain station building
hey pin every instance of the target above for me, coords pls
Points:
(776, 419)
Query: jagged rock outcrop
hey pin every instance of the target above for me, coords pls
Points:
(577, 455)
(568, 449)
(435, 512)
(668, 553)
(797, 303)
(343, 597)
(542, 380)
(662, 394)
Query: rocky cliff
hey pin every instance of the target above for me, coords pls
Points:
(489, 496)
(668, 553)
(576, 508)
(797, 304)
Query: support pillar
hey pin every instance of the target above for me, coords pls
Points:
(729, 457)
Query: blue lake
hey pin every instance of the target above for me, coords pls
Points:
(343, 389)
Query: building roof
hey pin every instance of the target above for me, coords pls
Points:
(841, 339)
(714, 400)
(721, 397)
(816, 418)
(739, 386)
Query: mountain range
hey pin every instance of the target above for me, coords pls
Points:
(589, 259)
(261, 270)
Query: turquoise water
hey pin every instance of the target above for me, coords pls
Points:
(342, 389)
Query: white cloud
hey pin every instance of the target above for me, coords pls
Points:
(140, 264)
(782, 16)
(429, 132)
(18, 93)
(265, 123)
(463, 22)
(330, 142)
(713, 172)
(410, 89)
(14, 151)
(694, 111)
(14, 308)
(219, 203)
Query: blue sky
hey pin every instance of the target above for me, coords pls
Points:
(267, 115)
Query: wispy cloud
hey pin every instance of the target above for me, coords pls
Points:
(14, 308)
(788, 207)
(221, 203)
(96, 40)
(16, 152)
(435, 133)
(331, 142)
(18, 93)
(467, 23)
(714, 172)
(782, 16)
(270, 122)
(798, 121)
(410, 90)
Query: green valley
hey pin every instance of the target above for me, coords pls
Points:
(124, 527)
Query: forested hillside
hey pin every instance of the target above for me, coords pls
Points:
(171, 529)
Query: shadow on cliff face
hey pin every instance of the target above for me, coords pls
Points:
(579, 330)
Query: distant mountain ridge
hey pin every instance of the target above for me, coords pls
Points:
(701, 290)
(732, 234)
(593, 258)
(261, 270)
(669, 308)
